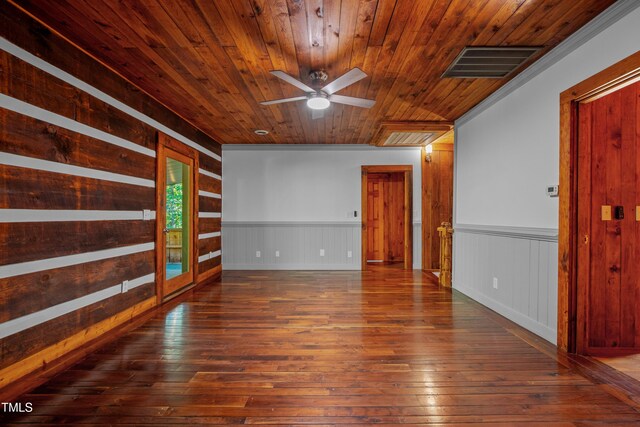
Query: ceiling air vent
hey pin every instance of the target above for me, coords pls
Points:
(409, 133)
(488, 62)
(407, 139)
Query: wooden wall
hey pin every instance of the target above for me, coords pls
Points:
(77, 168)
(210, 214)
(437, 198)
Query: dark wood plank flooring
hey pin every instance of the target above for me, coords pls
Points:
(324, 348)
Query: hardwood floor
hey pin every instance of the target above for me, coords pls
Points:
(324, 348)
(629, 365)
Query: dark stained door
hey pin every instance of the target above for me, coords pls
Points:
(609, 223)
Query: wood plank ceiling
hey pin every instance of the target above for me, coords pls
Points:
(209, 61)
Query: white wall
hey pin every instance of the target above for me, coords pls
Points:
(321, 184)
(299, 200)
(507, 152)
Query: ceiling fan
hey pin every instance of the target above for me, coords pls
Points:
(320, 99)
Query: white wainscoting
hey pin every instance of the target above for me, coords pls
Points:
(298, 244)
(417, 246)
(525, 262)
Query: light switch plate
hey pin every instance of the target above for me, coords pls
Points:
(637, 213)
(258, 254)
(146, 215)
(606, 213)
(125, 286)
(321, 252)
(349, 254)
(277, 254)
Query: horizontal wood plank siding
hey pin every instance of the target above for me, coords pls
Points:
(208, 265)
(26, 136)
(28, 293)
(35, 87)
(78, 142)
(209, 204)
(208, 225)
(32, 240)
(209, 245)
(16, 346)
(208, 207)
(210, 164)
(210, 185)
(36, 189)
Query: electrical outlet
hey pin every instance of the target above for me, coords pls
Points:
(349, 254)
(146, 215)
(258, 255)
(125, 286)
(321, 252)
(277, 254)
(495, 283)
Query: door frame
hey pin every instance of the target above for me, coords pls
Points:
(571, 297)
(407, 171)
(165, 144)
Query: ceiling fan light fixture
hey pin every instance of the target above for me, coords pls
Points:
(318, 103)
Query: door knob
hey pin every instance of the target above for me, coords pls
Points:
(165, 230)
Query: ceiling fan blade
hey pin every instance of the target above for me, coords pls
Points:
(349, 100)
(295, 82)
(317, 114)
(348, 78)
(280, 101)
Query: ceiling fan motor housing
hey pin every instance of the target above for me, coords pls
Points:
(318, 77)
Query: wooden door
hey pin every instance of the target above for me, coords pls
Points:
(175, 221)
(609, 223)
(437, 199)
(375, 217)
(387, 207)
(394, 205)
(385, 217)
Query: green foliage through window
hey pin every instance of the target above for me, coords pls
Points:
(174, 206)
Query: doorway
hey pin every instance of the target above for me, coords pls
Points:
(609, 221)
(387, 216)
(175, 218)
(598, 284)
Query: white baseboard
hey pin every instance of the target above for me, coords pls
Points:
(522, 320)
